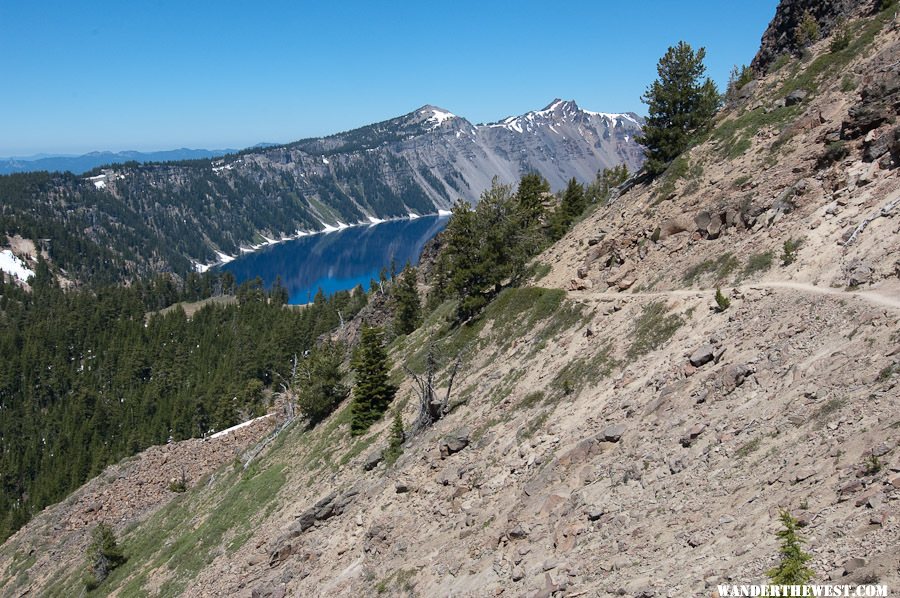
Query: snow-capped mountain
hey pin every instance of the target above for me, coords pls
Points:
(432, 157)
(418, 163)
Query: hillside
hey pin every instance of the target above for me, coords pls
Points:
(612, 432)
(85, 162)
(134, 219)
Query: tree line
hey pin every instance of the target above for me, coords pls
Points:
(91, 376)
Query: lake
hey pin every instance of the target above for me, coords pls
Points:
(338, 260)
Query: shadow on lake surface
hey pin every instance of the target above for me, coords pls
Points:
(339, 260)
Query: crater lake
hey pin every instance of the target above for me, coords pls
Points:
(337, 260)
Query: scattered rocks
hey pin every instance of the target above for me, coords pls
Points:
(676, 466)
(329, 506)
(851, 565)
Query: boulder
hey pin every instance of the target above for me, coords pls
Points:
(702, 220)
(714, 227)
(673, 226)
(373, 460)
(859, 272)
(613, 432)
(853, 564)
(625, 283)
(304, 521)
(455, 442)
(692, 434)
(876, 146)
(517, 532)
(703, 355)
(795, 97)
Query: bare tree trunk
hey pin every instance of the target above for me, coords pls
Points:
(431, 408)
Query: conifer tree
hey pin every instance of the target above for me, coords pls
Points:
(319, 383)
(530, 196)
(791, 569)
(103, 555)
(372, 392)
(681, 104)
(396, 438)
(407, 305)
(570, 208)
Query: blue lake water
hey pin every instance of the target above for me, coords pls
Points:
(338, 260)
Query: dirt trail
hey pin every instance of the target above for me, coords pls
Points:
(879, 298)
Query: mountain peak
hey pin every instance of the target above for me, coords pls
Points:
(434, 115)
(558, 105)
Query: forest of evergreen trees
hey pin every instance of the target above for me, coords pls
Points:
(91, 376)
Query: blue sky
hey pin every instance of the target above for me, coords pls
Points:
(161, 74)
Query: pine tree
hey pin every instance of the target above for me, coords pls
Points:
(530, 195)
(792, 569)
(372, 392)
(319, 384)
(103, 555)
(396, 438)
(681, 104)
(407, 305)
(570, 208)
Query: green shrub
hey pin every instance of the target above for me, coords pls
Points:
(654, 327)
(531, 399)
(885, 374)
(747, 448)
(722, 301)
(841, 39)
(758, 262)
(318, 381)
(722, 267)
(789, 254)
(872, 465)
(103, 555)
(836, 150)
(807, 31)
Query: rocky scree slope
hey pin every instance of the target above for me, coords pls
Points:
(615, 433)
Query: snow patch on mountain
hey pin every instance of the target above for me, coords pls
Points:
(12, 265)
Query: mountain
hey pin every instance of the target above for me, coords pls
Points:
(446, 157)
(83, 163)
(164, 215)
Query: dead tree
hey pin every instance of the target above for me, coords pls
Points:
(431, 407)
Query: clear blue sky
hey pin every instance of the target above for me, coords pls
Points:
(161, 74)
